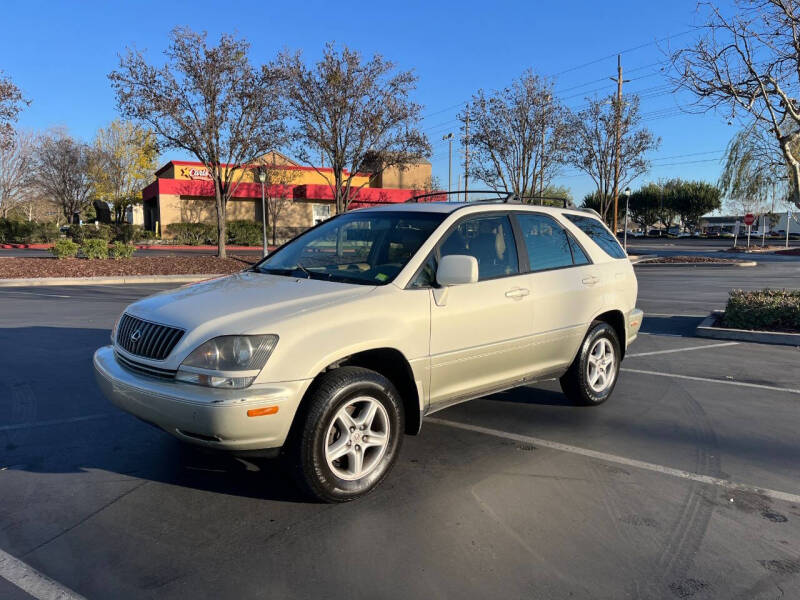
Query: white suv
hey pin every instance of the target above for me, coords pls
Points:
(342, 340)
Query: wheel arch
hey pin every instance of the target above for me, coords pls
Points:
(392, 364)
(616, 319)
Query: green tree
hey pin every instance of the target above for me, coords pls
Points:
(644, 204)
(124, 161)
(691, 200)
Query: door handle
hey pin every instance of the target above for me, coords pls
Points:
(517, 293)
(590, 280)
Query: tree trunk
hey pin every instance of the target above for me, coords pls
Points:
(221, 253)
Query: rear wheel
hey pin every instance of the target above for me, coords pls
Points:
(592, 376)
(349, 436)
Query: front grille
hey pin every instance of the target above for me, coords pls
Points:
(145, 338)
(144, 369)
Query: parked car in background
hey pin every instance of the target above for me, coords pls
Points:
(334, 346)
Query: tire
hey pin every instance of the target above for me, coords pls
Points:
(582, 382)
(348, 398)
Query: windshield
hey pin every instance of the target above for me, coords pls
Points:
(365, 248)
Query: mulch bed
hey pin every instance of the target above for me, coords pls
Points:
(20, 268)
(689, 259)
(789, 251)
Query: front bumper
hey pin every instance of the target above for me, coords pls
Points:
(634, 322)
(199, 415)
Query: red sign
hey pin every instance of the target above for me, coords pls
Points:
(749, 219)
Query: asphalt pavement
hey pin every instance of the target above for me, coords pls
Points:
(685, 484)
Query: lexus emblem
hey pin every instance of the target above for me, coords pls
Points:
(136, 336)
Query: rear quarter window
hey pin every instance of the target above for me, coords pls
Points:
(599, 234)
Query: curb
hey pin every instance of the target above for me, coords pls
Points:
(706, 329)
(748, 263)
(115, 280)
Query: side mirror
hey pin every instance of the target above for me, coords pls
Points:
(457, 269)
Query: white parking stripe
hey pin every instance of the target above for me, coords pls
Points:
(652, 314)
(681, 349)
(630, 462)
(708, 380)
(32, 581)
(50, 422)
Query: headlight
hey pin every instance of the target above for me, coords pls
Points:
(228, 361)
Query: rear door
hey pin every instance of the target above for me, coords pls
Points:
(565, 290)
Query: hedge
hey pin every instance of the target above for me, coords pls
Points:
(244, 233)
(238, 233)
(768, 309)
(120, 250)
(64, 249)
(27, 232)
(95, 248)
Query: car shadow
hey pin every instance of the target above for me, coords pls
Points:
(674, 325)
(46, 375)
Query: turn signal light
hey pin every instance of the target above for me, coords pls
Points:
(261, 412)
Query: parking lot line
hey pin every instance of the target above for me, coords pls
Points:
(31, 581)
(681, 349)
(622, 460)
(709, 380)
(50, 422)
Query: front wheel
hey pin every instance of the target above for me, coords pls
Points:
(350, 434)
(593, 374)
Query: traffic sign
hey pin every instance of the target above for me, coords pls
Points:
(749, 219)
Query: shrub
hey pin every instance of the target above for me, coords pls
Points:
(244, 233)
(26, 232)
(121, 250)
(765, 309)
(95, 248)
(101, 231)
(75, 233)
(64, 249)
(193, 234)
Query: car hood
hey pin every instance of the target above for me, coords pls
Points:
(242, 303)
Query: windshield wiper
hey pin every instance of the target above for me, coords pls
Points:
(304, 270)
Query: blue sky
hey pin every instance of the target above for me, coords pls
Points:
(59, 53)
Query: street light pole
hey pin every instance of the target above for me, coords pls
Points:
(627, 193)
(449, 138)
(262, 177)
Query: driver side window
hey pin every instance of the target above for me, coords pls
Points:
(490, 240)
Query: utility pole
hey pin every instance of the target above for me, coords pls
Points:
(617, 137)
(449, 138)
(466, 157)
(544, 133)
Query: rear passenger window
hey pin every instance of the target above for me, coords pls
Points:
(599, 234)
(547, 243)
(578, 255)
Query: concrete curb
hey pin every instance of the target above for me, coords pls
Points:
(116, 280)
(706, 329)
(748, 263)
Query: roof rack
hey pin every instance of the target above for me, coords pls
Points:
(502, 198)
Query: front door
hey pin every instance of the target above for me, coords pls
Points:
(480, 332)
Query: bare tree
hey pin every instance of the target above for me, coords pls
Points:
(593, 150)
(16, 171)
(125, 159)
(750, 64)
(11, 104)
(209, 101)
(62, 173)
(517, 136)
(358, 114)
(277, 182)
